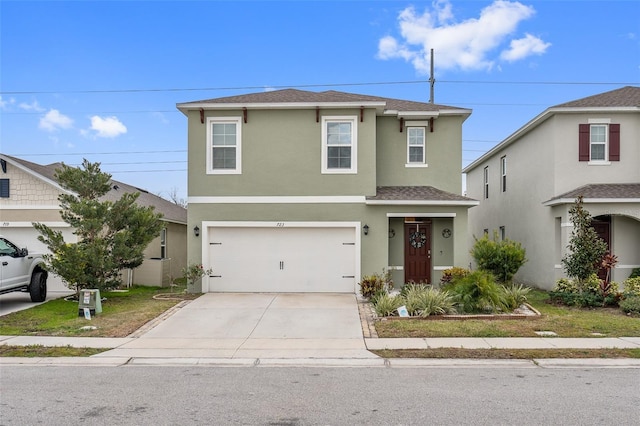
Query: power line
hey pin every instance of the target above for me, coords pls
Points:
(193, 89)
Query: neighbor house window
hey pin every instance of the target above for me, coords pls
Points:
(486, 182)
(599, 141)
(503, 173)
(163, 243)
(339, 144)
(502, 233)
(224, 145)
(4, 188)
(415, 146)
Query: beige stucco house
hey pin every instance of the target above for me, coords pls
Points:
(300, 191)
(527, 183)
(29, 193)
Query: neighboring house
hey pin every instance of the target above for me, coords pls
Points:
(29, 193)
(299, 191)
(527, 183)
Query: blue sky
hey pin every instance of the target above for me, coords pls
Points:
(100, 80)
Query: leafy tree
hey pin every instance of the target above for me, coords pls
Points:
(586, 248)
(111, 235)
(502, 258)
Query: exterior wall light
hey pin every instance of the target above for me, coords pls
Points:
(196, 231)
(365, 228)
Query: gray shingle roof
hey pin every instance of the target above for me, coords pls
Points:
(603, 190)
(171, 212)
(331, 96)
(628, 96)
(415, 193)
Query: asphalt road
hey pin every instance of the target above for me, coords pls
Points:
(135, 395)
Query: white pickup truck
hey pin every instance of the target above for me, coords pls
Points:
(22, 271)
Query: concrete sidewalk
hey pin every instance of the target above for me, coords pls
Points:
(314, 352)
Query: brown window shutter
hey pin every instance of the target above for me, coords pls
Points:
(614, 142)
(583, 142)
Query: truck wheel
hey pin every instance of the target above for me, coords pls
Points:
(38, 287)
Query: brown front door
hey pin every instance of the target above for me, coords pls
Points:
(417, 252)
(603, 229)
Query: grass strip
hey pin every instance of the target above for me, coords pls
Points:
(457, 353)
(36, 351)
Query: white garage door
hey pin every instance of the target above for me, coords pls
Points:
(282, 259)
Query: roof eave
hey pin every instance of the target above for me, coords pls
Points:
(469, 203)
(559, 201)
(194, 106)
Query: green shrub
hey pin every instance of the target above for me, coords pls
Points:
(435, 302)
(515, 295)
(635, 273)
(572, 292)
(452, 274)
(376, 283)
(386, 305)
(631, 287)
(411, 294)
(631, 305)
(502, 258)
(477, 292)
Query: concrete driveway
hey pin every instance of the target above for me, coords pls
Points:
(249, 325)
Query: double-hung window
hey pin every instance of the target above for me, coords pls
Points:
(598, 142)
(416, 146)
(224, 136)
(339, 145)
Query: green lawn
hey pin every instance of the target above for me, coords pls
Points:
(565, 321)
(122, 314)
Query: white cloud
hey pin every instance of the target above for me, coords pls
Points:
(524, 47)
(54, 120)
(4, 104)
(33, 106)
(466, 45)
(108, 127)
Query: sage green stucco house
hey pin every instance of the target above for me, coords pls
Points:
(299, 191)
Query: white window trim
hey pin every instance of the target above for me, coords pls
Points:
(485, 182)
(354, 144)
(422, 163)
(606, 144)
(209, 146)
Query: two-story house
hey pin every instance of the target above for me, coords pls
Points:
(29, 193)
(526, 184)
(300, 191)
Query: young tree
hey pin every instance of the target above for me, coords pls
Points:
(503, 258)
(586, 248)
(111, 235)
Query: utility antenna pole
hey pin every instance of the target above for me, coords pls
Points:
(432, 80)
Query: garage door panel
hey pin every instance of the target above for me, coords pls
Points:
(255, 259)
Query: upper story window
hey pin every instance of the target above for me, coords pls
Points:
(503, 173)
(4, 188)
(339, 144)
(599, 141)
(486, 182)
(416, 152)
(224, 137)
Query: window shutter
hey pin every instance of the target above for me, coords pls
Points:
(583, 142)
(614, 142)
